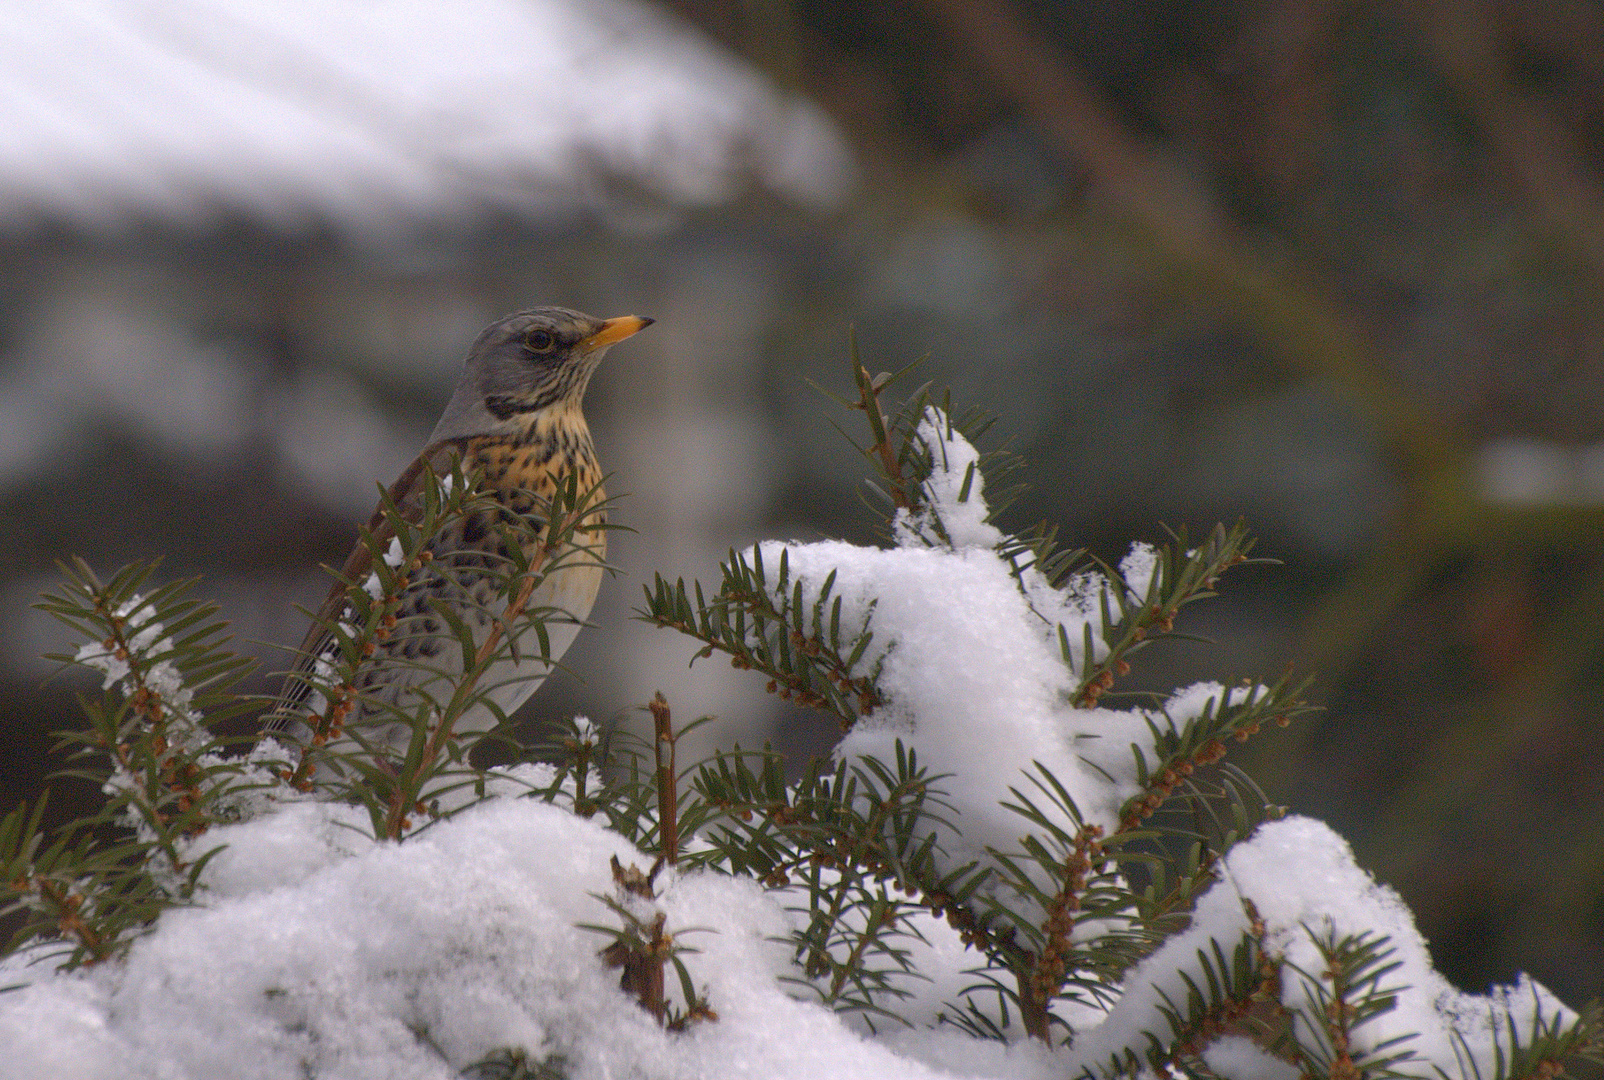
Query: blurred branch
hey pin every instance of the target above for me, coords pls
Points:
(1443, 510)
(1219, 261)
(1182, 220)
(1066, 108)
(1536, 151)
(1455, 768)
(1573, 29)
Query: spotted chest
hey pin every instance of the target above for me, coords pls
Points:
(467, 574)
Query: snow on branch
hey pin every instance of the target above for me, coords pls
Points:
(1008, 867)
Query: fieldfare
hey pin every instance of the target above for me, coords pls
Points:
(516, 420)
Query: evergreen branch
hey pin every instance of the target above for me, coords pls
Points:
(91, 896)
(1344, 995)
(772, 627)
(563, 515)
(1067, 878)
(1180, 750)
(46, 887)
(1050, 968)
(890, 461)
(1541, 1052)
(156, 736)
(847, 836)
(539, 536)
(1231, 999)
(1174, 584)
(149, 747)
(604, 772)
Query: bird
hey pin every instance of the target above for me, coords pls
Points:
(516, 419)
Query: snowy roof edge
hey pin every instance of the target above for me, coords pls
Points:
(378, 118)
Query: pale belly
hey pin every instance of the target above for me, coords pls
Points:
(569, 592)
(423, 659)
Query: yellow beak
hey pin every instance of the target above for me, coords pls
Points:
(615, 330)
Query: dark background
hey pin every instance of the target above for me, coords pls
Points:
(1332, 267)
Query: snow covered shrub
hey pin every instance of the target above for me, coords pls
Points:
(149, 743)
(1106, 877)
(1007, 868)
(153, 747)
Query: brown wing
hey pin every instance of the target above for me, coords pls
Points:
(407, 495)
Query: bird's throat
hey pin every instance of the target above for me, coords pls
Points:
(538, 455)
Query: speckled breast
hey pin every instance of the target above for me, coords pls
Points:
(468, 575)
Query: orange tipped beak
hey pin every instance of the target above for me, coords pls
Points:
(615, 330)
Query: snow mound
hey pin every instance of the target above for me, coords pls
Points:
(319, 952)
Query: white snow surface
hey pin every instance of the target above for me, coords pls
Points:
(976, 682)
(977, 687)
(962, 512)
(1302, 878)
(972, 664)
(374, 114)
(315, 951)
(321, 953)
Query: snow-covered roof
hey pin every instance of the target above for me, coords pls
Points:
(366, 115)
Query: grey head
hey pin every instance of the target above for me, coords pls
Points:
(526, 363)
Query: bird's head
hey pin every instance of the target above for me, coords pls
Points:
(528, 363)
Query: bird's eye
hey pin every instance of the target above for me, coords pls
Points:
(540, 341)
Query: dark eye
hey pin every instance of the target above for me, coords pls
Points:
(540, 341)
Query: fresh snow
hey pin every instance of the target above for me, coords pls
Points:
(315, 951)
(1302, 876)
(320, 953)
(962, 512)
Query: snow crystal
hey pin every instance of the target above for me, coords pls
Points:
(1241, 1057)
(960, 512)
(969, 653)
(318, 952)
(146, 638)
(1328, 890)
(1137, 569)
(973, 685)
(976, 682)
(1111, 739)
(1301, 878)
(1218, 917)
(93, 654)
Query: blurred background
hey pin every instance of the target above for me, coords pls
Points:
(1334, 267)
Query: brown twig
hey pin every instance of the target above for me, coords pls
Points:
(869, 389)
(642, 966)
(1047, 972)
(667, 780)
(72, 924)
(396, 816)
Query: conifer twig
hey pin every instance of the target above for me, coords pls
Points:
(667, 780)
